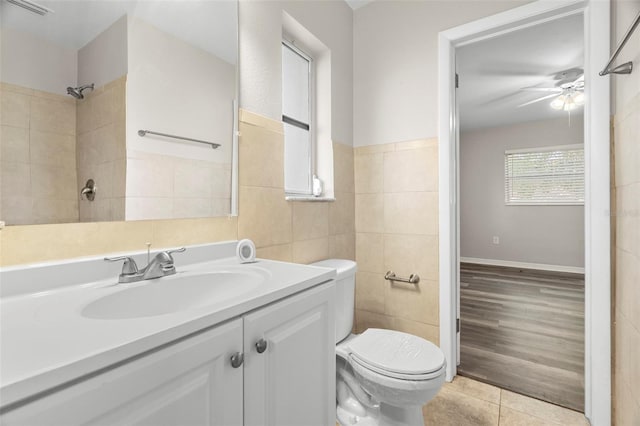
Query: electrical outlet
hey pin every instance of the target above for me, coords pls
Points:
(496, 240)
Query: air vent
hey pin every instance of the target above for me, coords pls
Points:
(31, 6)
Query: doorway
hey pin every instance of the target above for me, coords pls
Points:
(520, 101)
(597, 374)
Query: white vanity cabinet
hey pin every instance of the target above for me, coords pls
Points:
(289, 372)
(187, 383)
(289, 381)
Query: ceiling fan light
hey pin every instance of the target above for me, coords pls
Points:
(578, 98)
(570, 105)
(559, 102)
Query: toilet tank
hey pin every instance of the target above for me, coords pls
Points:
(345, 293)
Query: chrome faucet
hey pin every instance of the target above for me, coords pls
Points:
(161, 266)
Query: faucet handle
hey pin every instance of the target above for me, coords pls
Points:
(128, 268)
(178, 250)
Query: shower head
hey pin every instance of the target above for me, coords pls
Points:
(76, 92)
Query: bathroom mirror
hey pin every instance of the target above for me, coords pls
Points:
(117, 110)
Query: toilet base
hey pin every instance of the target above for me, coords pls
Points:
(389, 416)
(400, 416)
(346, 418)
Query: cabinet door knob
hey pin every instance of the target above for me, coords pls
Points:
(237, 359)
(261, 345)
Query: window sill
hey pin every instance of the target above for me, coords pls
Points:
(308, 198)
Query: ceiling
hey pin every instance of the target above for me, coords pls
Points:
(356, 4)
(209, 25)
(493, 71)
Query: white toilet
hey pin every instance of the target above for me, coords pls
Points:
(384, 377)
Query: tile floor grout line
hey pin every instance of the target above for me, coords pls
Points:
(499, 406)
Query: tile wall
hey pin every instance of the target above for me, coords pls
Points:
(396, 217)
(301, 232)
(166, 187)
(38, 154)
(626, 375)
(101, 150)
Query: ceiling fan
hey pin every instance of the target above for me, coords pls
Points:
(568, 92)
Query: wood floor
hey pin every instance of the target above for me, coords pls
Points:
(523, 330)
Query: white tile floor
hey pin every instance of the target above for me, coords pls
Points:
(466, 402)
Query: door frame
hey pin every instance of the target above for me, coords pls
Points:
(597, 180)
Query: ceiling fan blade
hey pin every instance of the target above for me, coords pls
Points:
(537, 100)
(542, 89)
(579, 80)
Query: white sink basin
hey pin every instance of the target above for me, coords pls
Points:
(179, 292)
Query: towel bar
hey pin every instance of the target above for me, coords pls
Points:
(391, 276)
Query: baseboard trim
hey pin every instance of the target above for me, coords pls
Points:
(512, 264)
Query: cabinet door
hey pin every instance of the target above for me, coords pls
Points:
(187, 383)
(291, 383)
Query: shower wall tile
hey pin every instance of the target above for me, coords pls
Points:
(14, 147)
(15, 109)
(53, 116)
(53, 149)
(101, 150)
(53, 210)
(16, 179)
(53, 182)
(38, 140)
(17, 210)
(396, 221)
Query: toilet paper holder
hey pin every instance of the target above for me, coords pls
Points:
(391, 276)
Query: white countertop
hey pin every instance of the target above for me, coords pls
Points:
(46, 342)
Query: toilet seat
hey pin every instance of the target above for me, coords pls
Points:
(397, 355)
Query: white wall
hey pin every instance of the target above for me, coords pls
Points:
(176, 88)
(104, 58)
(552, 235)
(396, 65)
(33, 62)
(331, 22)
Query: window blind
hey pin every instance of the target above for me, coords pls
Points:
(550, 175)
(296, 117)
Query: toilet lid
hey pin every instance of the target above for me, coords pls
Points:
(397, 352)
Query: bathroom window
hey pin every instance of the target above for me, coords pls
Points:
(544, 176)
(297, 113)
